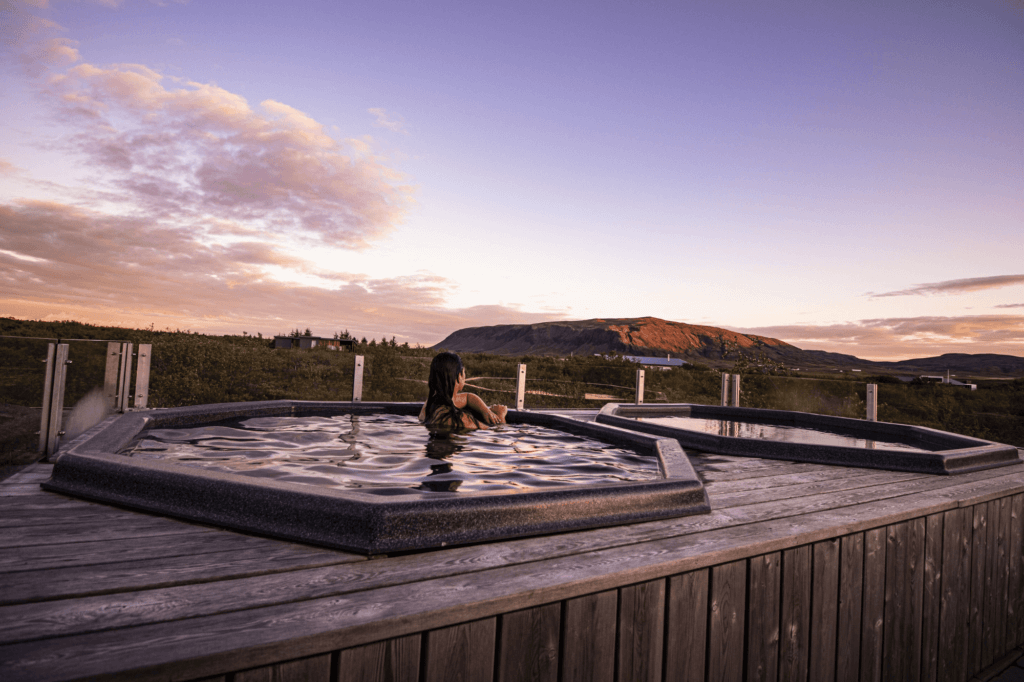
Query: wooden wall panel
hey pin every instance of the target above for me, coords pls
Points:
(954, 609)
(979, 529)
(641, 631)
(824, 609)
(873, 617)
(851, 590)
(461, 653)
(686, 626)
(393, 660)
(896, 600)
(795, 608)
(1015, 599)
(727, 603)
(528, 644)
(763, 593)
(588, 638)
(932, 598)
(312, 669)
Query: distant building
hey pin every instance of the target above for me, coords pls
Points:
(935, 379)
(307, 342)
(662, 363)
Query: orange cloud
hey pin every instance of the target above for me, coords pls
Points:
(907, 337)
(60, 262)
(957, 286)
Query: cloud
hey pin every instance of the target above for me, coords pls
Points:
(1011, 305)
(907, 337)
(8, 168)
(957, 286)
(69, 262)
(393, 123)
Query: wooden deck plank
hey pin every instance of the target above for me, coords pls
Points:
(382, 613)
(1015, 602)
(954, 609)
(190, 601)
(202, 541)
(244, 561)
(12, 538)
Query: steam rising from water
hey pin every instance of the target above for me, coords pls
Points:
(87, 413)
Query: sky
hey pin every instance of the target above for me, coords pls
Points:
(843, 176)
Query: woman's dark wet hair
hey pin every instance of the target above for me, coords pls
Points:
(444, 375)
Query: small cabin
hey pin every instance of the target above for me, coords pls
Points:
(660, 363)
(308, 342)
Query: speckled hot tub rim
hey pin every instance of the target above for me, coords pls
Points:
(953, 453)
(365, 521)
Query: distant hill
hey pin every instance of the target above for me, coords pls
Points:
(696, 343)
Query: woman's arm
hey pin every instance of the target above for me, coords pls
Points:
(477, 405)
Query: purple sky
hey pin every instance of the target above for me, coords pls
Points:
(844, 176)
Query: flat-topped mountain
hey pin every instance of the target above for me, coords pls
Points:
(696, 343)
(626, 336)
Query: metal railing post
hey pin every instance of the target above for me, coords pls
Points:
(60, 370)
(110, 376)
(44, 419)
(357, 380)
(142, 375)
(520, 386)
(735, 390)
(725, 390)
(639, 387)
(872, 401)
(124, 378)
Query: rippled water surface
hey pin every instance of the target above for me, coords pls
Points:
(777, 432)
(393, 451)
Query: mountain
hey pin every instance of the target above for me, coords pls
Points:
(696, 343)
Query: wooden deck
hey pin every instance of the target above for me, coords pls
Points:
(801, 572)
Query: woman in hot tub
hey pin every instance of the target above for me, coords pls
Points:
(446, 408)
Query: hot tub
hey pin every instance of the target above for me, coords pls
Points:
(375, 519)
(805, 437)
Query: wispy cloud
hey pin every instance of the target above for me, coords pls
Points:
(905, 337)
(1011, 305)
(389, 121)
(59, 262)
(7, 168)
(956, 286)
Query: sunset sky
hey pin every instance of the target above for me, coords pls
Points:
(845, 176)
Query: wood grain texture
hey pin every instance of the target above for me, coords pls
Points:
(312, 669)
(727, 602)
(1015, 578)
(641, 631)
(528, 644)
(897, 604)
(955, 600)
(686, 626)
(764, 589)
(979, 576)
(588, 638)
(824, 609)
(795, 613)
(932, 599)
(873, 618)
(391, 660)
(851, 590)
(460, 653)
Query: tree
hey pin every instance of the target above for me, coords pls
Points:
(307, 332)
